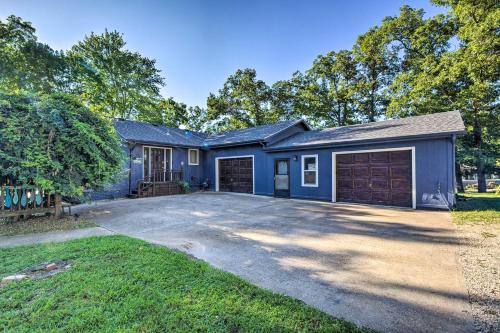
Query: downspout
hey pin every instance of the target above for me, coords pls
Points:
(130, 148)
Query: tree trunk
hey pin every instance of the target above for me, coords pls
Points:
(478, 140)
(459, 177)
(481, 176)
(58, 205)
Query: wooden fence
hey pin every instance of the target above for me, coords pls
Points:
(16, 201)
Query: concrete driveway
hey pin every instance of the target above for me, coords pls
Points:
(393, 270)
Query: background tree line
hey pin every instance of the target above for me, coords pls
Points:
(408, 65)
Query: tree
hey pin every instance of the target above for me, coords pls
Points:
(292, 99)
(242, 102)
(26, 63)
(375, 64)
(433, 77)
(475, 65)
(420, 45)
(166, 112)
(56, 143)
(113, 80)
(334, 78)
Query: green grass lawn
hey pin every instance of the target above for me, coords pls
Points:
(477, 208)
(120, 283)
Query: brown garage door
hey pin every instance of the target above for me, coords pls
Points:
(236, 175)
(382, 178)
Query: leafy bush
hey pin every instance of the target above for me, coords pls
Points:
(184, 185)
(56, 143)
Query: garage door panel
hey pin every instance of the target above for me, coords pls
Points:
(401, 156)
(361, 171)
(379, 171)
(345, 184)
(361, 158)
(362, 196)
(344, 195)
(344, 159)
(361, 184)
(236, 175)
(383, 178)
(380, 184)
(380, 197)
(401, 199)
(400, 171)
(344, 172)
(400, 184)
(379, 157)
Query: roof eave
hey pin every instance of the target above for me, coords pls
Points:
(162, 144)
(373, 141)
(233, 144)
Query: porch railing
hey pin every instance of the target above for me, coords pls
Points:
(161, 182)
(17, 201)
(162, 175)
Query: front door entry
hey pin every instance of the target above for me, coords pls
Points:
(282, 178)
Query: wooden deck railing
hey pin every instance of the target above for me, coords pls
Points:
(161, 182)
(161, 175)
(18, 201)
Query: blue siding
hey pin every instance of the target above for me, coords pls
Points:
(433, 160)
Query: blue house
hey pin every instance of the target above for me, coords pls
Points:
(407, 162)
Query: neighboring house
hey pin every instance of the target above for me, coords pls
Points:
(407, 162)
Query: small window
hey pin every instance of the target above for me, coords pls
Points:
(310, 170)
(193, 157)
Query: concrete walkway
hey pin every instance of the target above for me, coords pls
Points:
(394, 270)
(53, 236)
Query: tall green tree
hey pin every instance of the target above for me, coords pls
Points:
(25, 63)
(375, 70)
(293, 98)
(113, 80)
(243, 101)
(451, 62)
(56, 143)
(166, 112)
(420, 45)
(335, 77)
(475, 67)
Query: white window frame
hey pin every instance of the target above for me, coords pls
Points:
(413, 170)
(303, 157)
(230, 157)
(197, 157)
(164, 157)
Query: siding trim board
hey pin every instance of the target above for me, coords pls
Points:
(232, 157)
(413, 171)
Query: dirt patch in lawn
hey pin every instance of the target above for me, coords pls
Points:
(43, 224)
(37, 272)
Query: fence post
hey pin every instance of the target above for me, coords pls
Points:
(58, 206)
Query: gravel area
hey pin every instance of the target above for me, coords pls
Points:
(480, 259)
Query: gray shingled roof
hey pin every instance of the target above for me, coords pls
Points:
(156, 134)
(248, 135)
(432, 124)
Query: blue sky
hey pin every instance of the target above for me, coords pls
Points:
(198, 44)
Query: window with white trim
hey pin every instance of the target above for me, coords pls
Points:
(310, 170)
(193, 157)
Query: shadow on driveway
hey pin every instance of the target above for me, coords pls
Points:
(389, 269)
